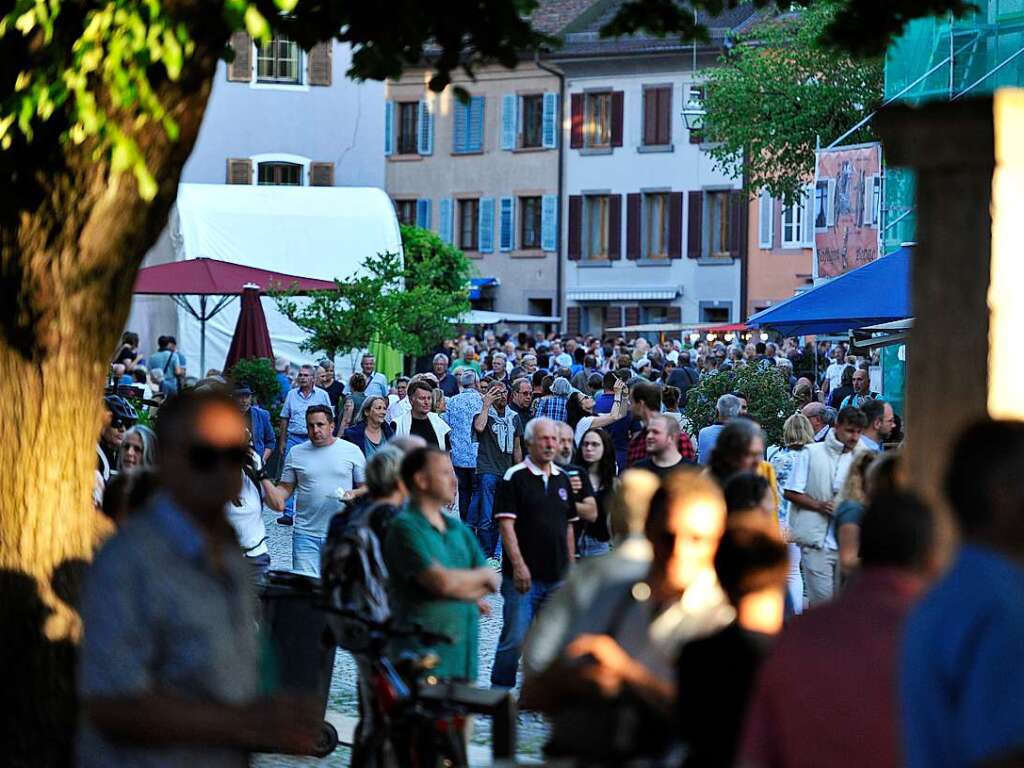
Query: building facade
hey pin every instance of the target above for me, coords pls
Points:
(483, 174)
(653, 233)
(281, 115)
(780, 249)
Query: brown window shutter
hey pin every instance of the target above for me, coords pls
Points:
(695, 225)
(737, 219)
(614, 227)
(321, 174)
(617, 102)
(239, 171)
(664, 118)
(612, 316)
(632, 318)
(240, 69)
(675, 225)
(633, 224)
(674, 314)
(650, 117)
(576, 121)
(572, 321)
(575, 227)
(319, 64)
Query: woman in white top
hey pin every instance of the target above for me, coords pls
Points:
(797, 434)
(581, 411)
(246, 516)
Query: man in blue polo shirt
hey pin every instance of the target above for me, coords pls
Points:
(962, 668)
(293, 422)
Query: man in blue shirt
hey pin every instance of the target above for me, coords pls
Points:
(293, 422)
(727, 407)
(165, 359)
(962, 685)
(376, 382)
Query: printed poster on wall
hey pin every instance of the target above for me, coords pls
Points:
(847, 207)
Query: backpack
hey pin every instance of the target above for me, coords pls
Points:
(353, 572)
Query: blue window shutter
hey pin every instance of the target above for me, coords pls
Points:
(506, 224)
(549, 130)
(444, 225)
(423, 213)
(485, 235)
(476, 124)
(425, 143)
(549, 223)
(509, 108)
(460, 121)
(389, 127)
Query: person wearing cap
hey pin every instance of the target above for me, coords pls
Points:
(258, 421)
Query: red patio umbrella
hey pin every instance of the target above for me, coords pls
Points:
(251, 339)
(204, 278)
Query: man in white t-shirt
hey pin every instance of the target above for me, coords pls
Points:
(324, 474)
(834, 372)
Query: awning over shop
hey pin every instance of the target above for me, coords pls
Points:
(653, 293)
(480, 317)
(878, 292)
(477, 284)
(679, 328)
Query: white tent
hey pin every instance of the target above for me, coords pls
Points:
(322, 232)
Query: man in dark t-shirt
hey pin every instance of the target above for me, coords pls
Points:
(662, 439)
(534, 508)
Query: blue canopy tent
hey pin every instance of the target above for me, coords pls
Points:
(878, 292)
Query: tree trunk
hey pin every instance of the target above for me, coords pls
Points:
(67, 266)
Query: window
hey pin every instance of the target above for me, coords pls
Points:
(657, 116)
(793, 224)
(824, 203)
(655, 232)
(596, 226)
(597, 127)
(281, 174)
(408, 123)
(531, 112)
(711, 314)
(716, 205)
(469, 211)
(529, 222)
(278, 61)
(406, 211)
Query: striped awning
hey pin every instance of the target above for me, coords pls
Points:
(622, 294)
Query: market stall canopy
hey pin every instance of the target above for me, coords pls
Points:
(482, 317)
(680, 328)
(878, 292)
(213, 277)
(881, 335)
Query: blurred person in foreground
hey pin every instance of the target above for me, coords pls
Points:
(611, 690)
(169, 668)
(962, 663)
(716, 674)
(827, 693)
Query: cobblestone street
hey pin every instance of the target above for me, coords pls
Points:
(532, 728)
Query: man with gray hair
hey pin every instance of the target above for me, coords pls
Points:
(292, 422)
(818, 415)
(728, 407)
(446, 382)
(459, 414)
(556, 405)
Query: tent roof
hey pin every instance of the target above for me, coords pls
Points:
(679, 328)
(212, 277)
(878, 292)
(483, 317)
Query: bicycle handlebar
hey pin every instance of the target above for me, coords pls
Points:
(391, 630)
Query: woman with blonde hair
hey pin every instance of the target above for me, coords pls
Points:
(850, 506)
(797, 434)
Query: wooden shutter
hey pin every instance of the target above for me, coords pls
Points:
(657, 117)
(509, 107)
(475, 138)
(612, 316)
(550, 121)
(808, 220)
(650, 116)
(664, 116)
(675, 225)
(572, 321)
(614, 227)
(460, 122)
(318, 64)
(389, 127)
(321, 174)
(617, 109)
(239, 171)
(575, 227)
(765, 222)
(674, 314)
(737, 222)
(506, 223)
(633, 213)
(632, 318)
(425, 129)
(240, 68)
(576, 121)
(549, 223)
(444, 224)
(423, 213)
(695, 224)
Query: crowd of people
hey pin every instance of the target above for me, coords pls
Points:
(652, 572)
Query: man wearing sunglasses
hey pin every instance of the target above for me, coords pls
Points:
(169, 665)
(324, 474)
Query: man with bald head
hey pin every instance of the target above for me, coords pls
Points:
(815, 413)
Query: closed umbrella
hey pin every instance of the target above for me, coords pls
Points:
(251, 339)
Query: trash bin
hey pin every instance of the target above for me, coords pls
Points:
(303, 649)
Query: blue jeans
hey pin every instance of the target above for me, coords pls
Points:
(587, 546)
(293, 440)
(306, 552)
(516, 616)
(481, 509)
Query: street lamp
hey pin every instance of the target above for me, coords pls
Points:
(693, 111)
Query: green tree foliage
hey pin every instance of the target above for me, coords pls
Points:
(768, 399)
(778, 90)
(259, 375)
(408, 306)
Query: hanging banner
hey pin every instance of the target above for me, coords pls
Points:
(847, 206)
